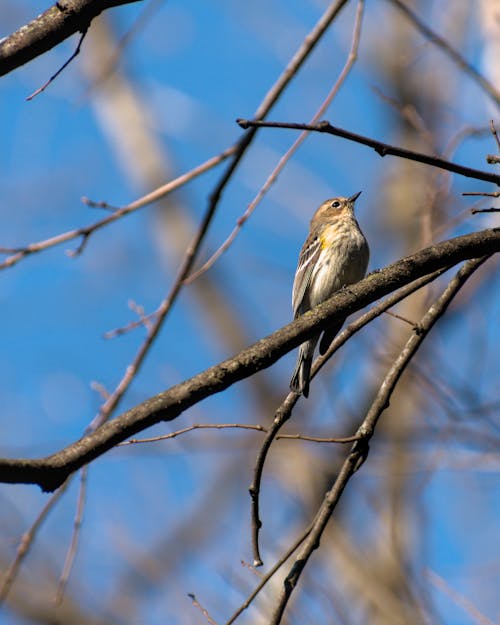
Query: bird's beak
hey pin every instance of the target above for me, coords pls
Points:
(354, 197)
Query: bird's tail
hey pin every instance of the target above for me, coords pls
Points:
(302, 372)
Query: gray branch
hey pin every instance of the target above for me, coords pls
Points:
(63, 19)
(52, 471)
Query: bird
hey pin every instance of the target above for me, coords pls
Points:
(334, 255)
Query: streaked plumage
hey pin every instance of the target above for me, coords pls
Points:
(334, 255)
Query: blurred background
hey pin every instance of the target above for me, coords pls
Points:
(155, 92)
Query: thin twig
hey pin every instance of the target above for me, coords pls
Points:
(269, 575)
(86, 231)
(273, 176)
(54, 76)
(240, 426)
(383, 149)
(203, 610)
(284, 412)
(70, 556)
(466, 605)
(144, 320)
(495, 134)
(360, 449)
(474, 211)
(483, 193)
(443, 45)
(401, 318)
(27, 540)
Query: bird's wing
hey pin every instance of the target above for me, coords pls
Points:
(308, 257)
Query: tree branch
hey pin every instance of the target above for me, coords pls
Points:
(382, 149)
(359, 450)
(50, 472)
(63, 19)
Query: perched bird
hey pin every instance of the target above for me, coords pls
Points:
(334, 255)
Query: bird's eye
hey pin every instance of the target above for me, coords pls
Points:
(336, 204)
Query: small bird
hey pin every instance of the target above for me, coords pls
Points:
(334, 255)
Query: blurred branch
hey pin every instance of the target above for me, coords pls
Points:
(63, 19)
(360, 449)
(237, 151)
(443, 45)
(26, 541)
(203, 610)
(466, 605)
(85, 232)
(383, 149)
(52, 471)
(306, 47)
(77, 525)
(273, 176)
(269, 575)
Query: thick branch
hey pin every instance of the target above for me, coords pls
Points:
(383, 149)
(360, 449)
(50, 472)
(63, 19)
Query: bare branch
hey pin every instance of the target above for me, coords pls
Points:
(52, 471)
(284, 412)
(273, 176)
(26, 541)
(63, 19)
(383, 149)
(203, 610)
(85, 231)
(77, 524)
(62, 68)
(359, 450)
(443, 45)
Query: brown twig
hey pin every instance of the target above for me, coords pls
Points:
(360, 449)
(86, 231)
(401, 318)
(203, 610)
(240, 426)
(443, 45)
(63, 66)
(145, 320)
(284, 412)
(383, 149)
(77, 524)
(51, 472)
(269, 575)
(351, 59)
